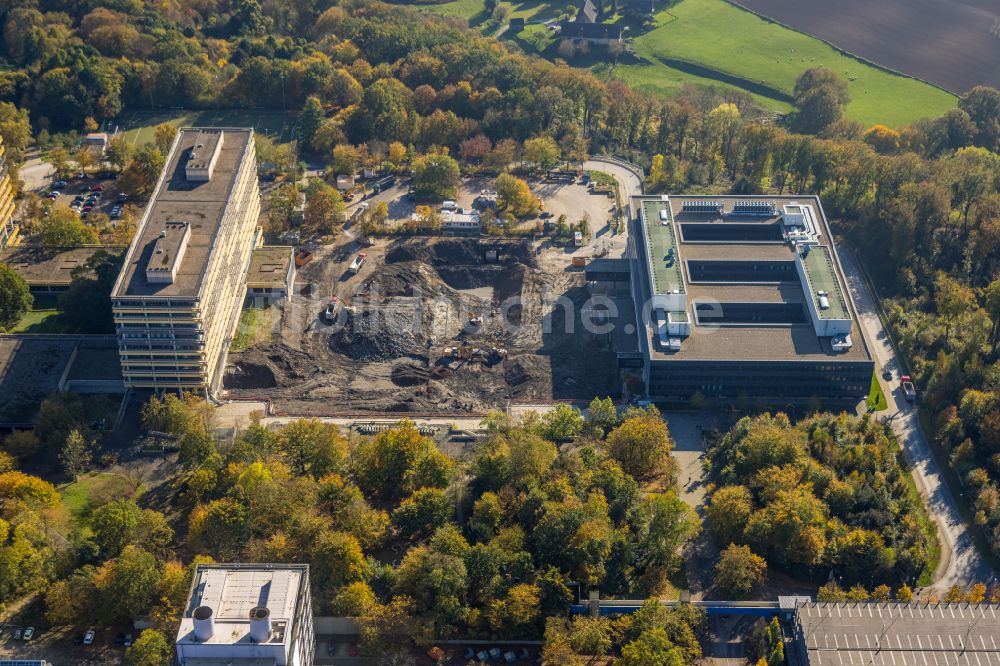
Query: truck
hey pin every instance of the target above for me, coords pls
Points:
(578, 239)
(908, 390)
(383, 184)
(356, 263)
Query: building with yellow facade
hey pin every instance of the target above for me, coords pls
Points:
(8, 230)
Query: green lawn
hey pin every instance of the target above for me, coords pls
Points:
(43, 317)
(876, 398)
(475, 10)
(711, 38)
(138, 126)
(40, 321)
(80, 496)
(255, 326)
(711, 42)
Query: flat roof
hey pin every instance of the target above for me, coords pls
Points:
(233, 590)
(822, 277)
(269, 266)
(177, 199)
(894, 634)
(661, 243)
(51, 266)
(30, 370)
(751, 342)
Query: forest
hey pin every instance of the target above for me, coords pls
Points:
(415, 544)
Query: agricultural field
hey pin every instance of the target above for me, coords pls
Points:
(963, 55)
(137, 126)
(713, 42)
(712, 37)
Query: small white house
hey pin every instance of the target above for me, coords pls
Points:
(96, 142)
(460, 221)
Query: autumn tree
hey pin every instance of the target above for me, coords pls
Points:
(62, 228)
(738, 571)
(514, 196)
(15, 297)
(542, 152)
(149, 649)
(325, 208)
(435, 175)
(642, 446)
(163, 137)
(820, 96)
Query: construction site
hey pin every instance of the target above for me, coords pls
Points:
(429, 326)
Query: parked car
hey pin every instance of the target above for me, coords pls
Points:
(78, 639)
(128, 640)
(88, 638)
(120, 639)
(330, 313)
(352, 650)
(356, 263)
(122, 198)
(17, 634)
(60, 183)
(29, 633)
(97, 188)
(54, 194)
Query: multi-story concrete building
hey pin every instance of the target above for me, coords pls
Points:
(178, 298)
(8, 230)
(743, 296)
(247, 615)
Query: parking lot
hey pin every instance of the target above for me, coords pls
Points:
(88, 195)
(64, 645)
(572, 199)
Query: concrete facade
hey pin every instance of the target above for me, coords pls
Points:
(742, 298)
(174, 330)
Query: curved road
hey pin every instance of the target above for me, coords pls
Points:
(630, 182)
(961, 563)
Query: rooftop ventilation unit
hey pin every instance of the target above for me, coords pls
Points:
(754, 208)
(260, 624)
(841, 343)
(204, 625)
(702, 207)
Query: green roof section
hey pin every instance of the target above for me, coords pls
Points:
(661, 240)
(822, 277)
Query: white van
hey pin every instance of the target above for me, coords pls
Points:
(664, 216)
(449, 205)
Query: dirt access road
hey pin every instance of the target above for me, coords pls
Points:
(961, 562)
(954, 44)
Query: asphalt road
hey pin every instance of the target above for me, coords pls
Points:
(961, 563)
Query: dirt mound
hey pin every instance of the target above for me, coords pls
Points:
(249, 376)
(459, 251)
(376, 335)
(404, 279)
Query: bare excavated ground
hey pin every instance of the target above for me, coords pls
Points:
(412, 300)
(954, 44)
